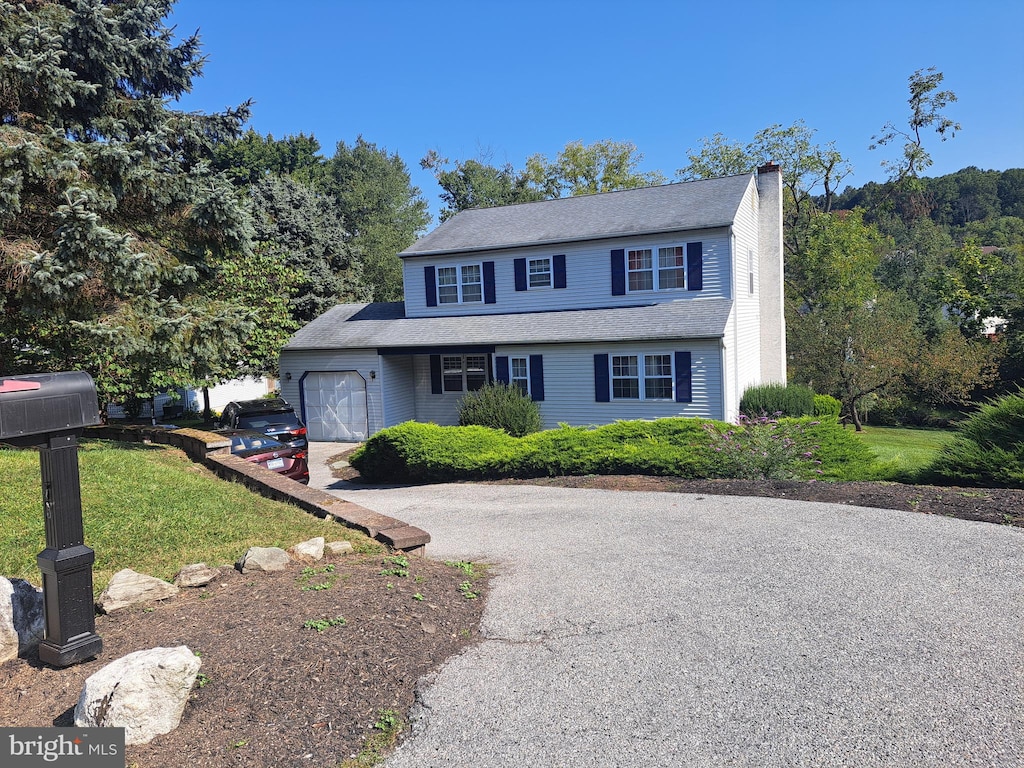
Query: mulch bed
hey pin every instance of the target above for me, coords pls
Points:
(991, 505)
(274, 692)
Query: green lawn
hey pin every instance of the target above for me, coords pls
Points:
(150, 509)
(907, 451)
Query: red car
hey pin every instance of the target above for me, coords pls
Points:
(269, 453)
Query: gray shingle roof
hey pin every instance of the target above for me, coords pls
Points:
(375, 326)
(671, 207)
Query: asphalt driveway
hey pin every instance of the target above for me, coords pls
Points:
(650, 629)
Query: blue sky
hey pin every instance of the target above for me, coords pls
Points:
(508, 79)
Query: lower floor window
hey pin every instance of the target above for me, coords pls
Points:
(519, 373)
(642, 377)
(463, 373)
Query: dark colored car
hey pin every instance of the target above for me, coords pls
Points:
(269, 453)
(274, 417)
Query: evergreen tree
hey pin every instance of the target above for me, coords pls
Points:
(304, 231)
(113, 222)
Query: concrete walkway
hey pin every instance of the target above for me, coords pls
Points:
(648, 629)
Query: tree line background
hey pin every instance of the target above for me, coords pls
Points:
(158, 249)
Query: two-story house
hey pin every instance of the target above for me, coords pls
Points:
(638, 304)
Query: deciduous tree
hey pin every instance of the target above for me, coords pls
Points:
(584, 169)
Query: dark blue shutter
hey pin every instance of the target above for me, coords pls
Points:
(435, 375)
(619, 272)
(501, 369)
(695, 266)
(601, 392)
(558, 267)
(684, 379)
(489, 295)
(537, 377)
(520, 270)
(430, 279)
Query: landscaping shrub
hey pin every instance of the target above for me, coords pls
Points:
(827, 407)
(778, 399)
(500, 406)
(764, 448)
(424, 453)
(673, 447)
(988, 450)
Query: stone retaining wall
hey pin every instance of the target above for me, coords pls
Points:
(214, 451)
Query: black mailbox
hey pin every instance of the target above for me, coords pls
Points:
(50, 410)
(46, 402)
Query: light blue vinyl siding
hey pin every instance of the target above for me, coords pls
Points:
(569, 382)
(588, 276)
(363, 361)
(399, 389)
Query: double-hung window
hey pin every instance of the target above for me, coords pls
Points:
(671, 267)
(642, 377)
(645, 275)
(463, 373)
(459, 284)
(640, 269)
(519, 373)
(539, 272)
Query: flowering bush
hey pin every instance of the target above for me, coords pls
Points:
(764, 448)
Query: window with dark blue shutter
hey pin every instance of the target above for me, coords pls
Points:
(520, 270)
(501, 369)
(430, 279)
(489, 293)
(601, 393)
(619, 272)
(558, 266)
(435, 375)
(684, 378)
(537, 377)
(695, 266)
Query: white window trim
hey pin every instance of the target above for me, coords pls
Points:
(641, 377)
(655, 268)
(512, 379)
(459, 283)
(550, 272)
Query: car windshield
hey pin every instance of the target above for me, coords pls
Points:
(253, 442)
(264, 420)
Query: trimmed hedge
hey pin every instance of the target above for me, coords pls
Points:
(827, 407)
(675, 447)
(792, 400)
(988, 450)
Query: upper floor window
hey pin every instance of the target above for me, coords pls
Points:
(459, 284)
(540, 272)
(645, 275)
(663, 268)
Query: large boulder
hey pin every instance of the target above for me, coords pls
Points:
(144, 692)
(21, 618)
(263, 559)
(127, 588)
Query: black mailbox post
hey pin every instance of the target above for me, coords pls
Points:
(50, 411)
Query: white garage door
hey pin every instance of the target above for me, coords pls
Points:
(335, 406)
